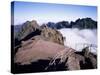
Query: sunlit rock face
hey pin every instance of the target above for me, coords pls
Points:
(52, 35)
(27, 28)
(33, 50)
(31, 29)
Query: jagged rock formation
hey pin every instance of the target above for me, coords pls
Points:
(31, 30)
(52, 35)
(68, 57)
(75, 60)
(27, 28)
(59, 25)
(84, 23)
(90, 56)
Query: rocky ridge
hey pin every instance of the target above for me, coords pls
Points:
(44, 43)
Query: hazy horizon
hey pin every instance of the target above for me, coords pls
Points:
(49, 12)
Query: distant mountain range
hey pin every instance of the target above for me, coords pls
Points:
(30, 26)
(84, 23)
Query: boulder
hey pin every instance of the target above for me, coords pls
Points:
(92, 58)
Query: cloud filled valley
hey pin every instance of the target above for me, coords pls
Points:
(78, 39)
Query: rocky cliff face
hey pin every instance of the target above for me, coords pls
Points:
(52, 35)
(27, 28)
(31, 30)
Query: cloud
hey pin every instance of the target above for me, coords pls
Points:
(78, 39)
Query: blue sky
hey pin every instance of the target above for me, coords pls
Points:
(46, 12)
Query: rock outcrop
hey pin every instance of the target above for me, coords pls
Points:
(75, 60)
(27, 28)
(52, 35)
(31, 29)
(33, 50)
(90, 56)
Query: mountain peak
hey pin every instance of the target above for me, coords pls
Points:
(27, 28)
